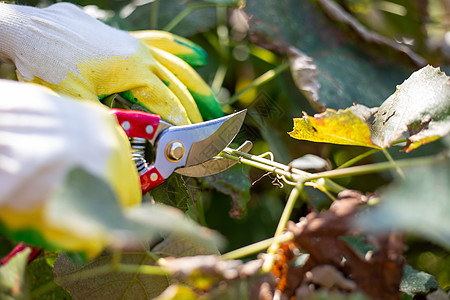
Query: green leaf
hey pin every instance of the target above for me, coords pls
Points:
(118, 284)
(40, 279)
(347, 70)
(173, 192)
(419, 205)
(12, 277)
(420, 105)
(234, 182)
(87, 206)
(416, 282)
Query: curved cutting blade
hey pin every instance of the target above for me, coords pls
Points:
(201, 141)
(213, 166)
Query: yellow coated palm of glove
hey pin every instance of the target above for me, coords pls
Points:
(42, 138)
(77, 55)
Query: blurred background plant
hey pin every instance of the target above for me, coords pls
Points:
(279, 59)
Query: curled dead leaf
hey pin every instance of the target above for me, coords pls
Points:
(304, 72)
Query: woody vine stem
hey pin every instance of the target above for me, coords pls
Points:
(299, 179)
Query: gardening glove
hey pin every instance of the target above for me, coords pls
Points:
(44, 136)
(74, 54)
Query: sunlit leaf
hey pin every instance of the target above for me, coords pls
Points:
(178, 292)
(416, 282)
(12, 277)
(419, 205)
(420, 106)
(337, 127)
(123, 285)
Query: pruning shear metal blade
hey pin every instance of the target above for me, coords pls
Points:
(201, 141)
(214, 165)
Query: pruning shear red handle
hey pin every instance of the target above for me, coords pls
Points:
(141, 127)
(176, 147)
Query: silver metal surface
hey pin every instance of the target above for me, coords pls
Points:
(138, 154)
(213, 166)
(175, 151)
(161, 127)
(202, 141)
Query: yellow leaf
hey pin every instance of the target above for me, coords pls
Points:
(335, 127)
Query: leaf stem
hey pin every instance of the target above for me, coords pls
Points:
(261, 166)
(154, 14)
(178, 18)
(190, 8)
(372, 168)
(269, 75)
(293, 196)
(392, 161)
(357, 158)
(258, 247)
(285, 216)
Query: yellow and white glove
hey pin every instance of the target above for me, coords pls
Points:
(74, 54)
(42, 137)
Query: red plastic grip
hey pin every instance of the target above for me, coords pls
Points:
(150, 180)
(137, 123)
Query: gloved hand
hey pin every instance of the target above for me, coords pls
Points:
(74, 54)
(43, 137)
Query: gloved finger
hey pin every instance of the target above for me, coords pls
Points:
(174, 44)
(42, 138)
(180, 91)
(206, 101)
(155, 96)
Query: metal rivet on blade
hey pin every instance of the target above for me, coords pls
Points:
(175, 151)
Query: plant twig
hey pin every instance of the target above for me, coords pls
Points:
(258, 247)
(394, 164)
(190, 8)
(154, 14)
(269, 75)
(178, 18)
(373, 168)
(293, 196)
(357, 158)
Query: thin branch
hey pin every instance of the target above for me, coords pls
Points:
(178, 18)
(354, 160)
(394, 164)
(266, 77)
(258, 247)
(285, 216)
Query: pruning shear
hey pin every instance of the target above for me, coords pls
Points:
(188, 149)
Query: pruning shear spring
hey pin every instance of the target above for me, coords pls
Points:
(187, 149)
